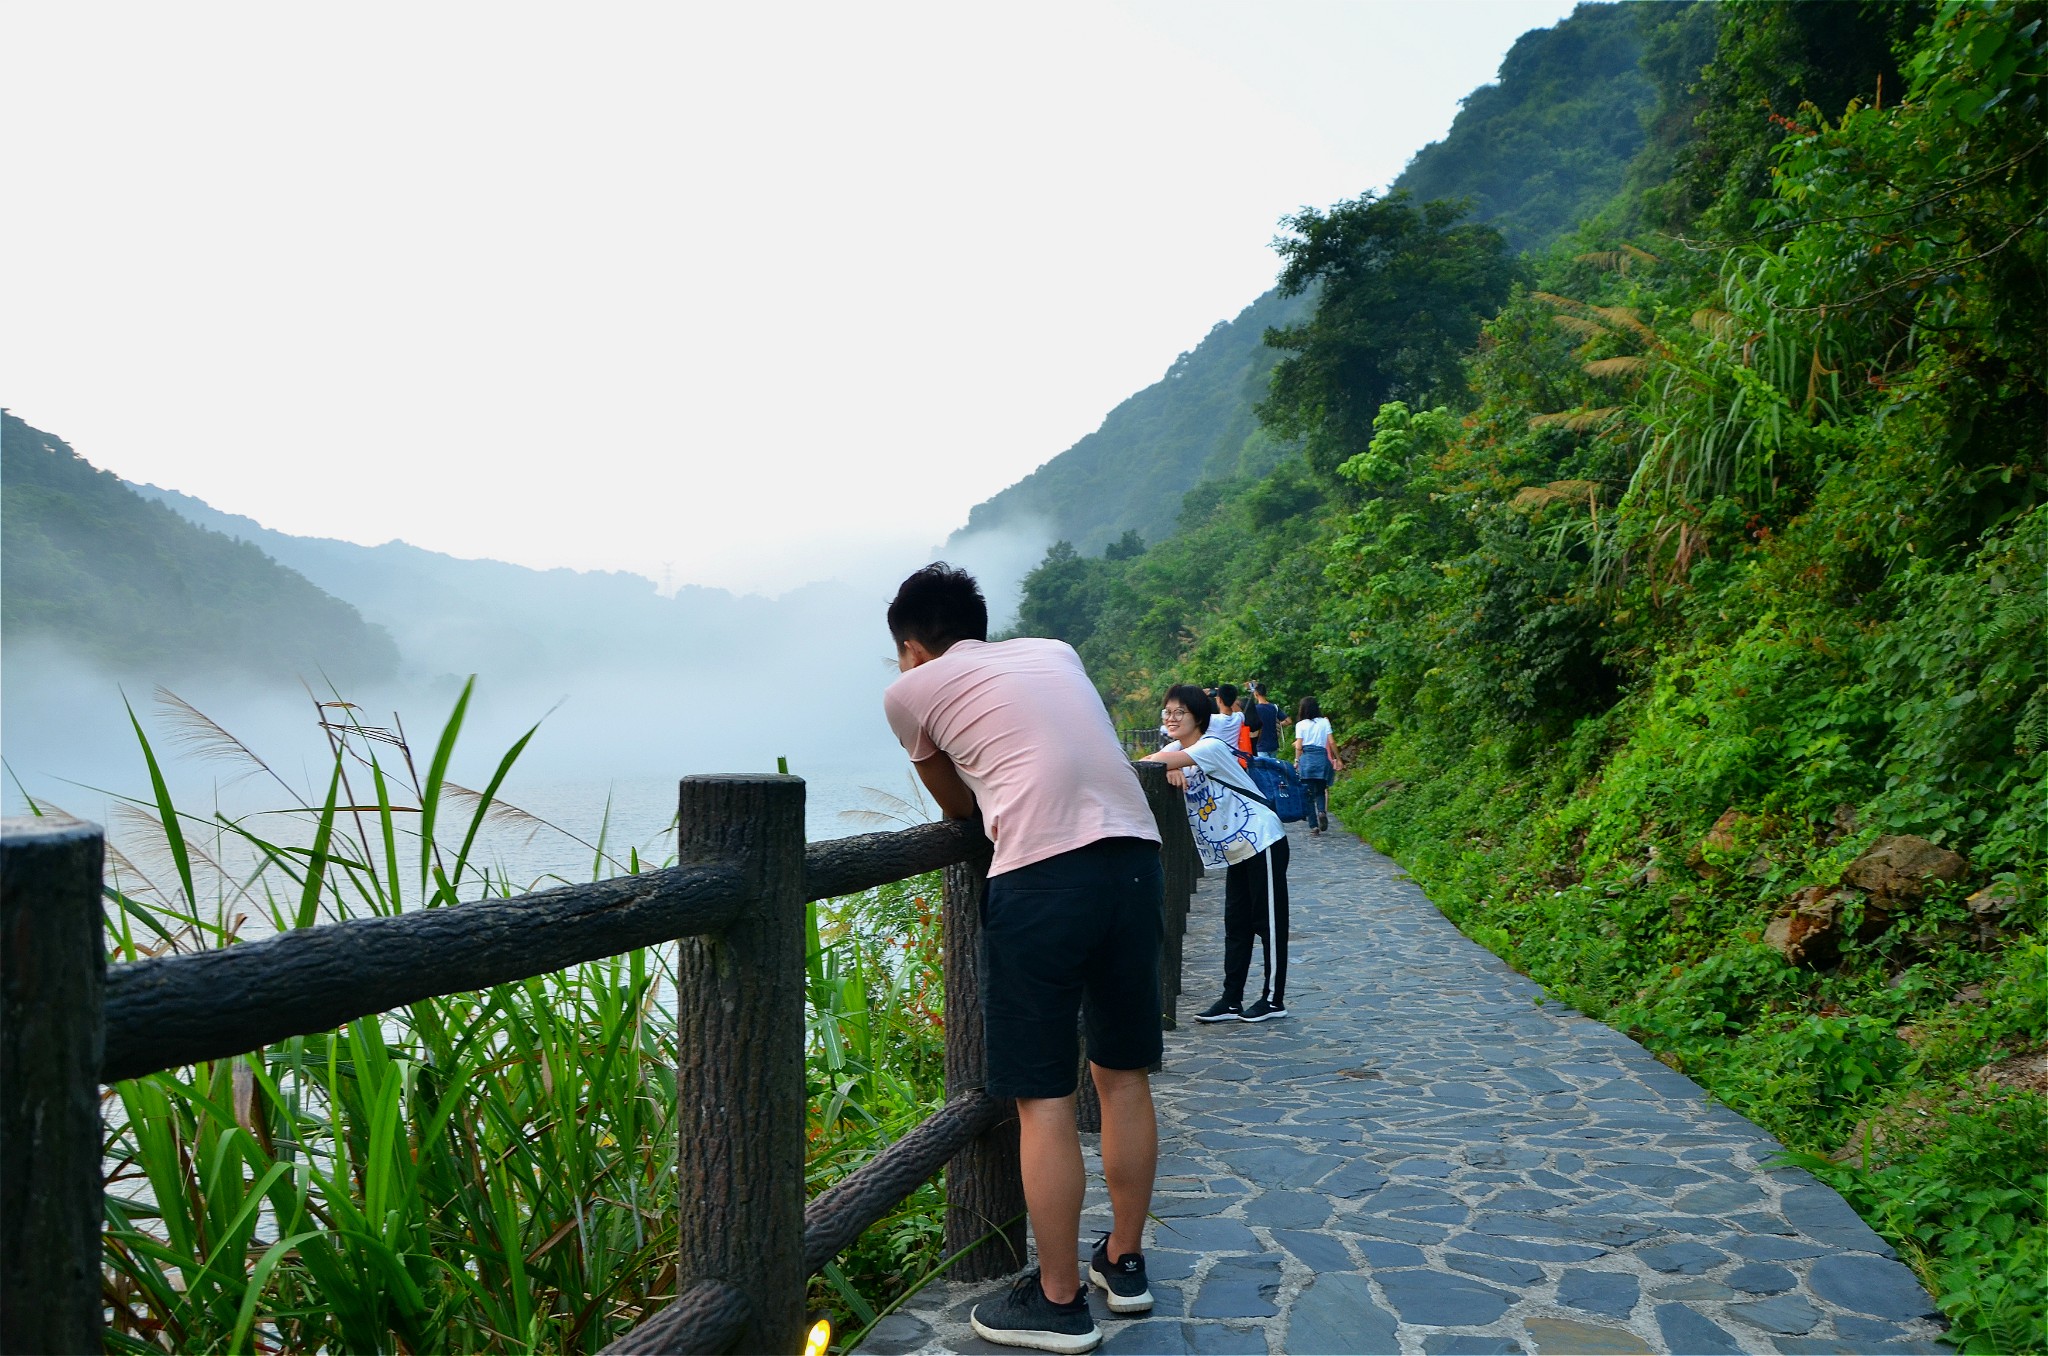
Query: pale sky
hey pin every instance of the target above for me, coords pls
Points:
(738, 295)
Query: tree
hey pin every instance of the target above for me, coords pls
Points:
(1403, 290)
(1129, 546)
(1062, 596)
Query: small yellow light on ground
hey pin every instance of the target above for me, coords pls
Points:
(820, 1338)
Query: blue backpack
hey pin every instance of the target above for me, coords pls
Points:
(1280, 784)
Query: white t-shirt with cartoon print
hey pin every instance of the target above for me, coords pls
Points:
(1228, 826)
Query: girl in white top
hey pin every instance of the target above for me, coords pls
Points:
(1234, 827)
(1315, 758)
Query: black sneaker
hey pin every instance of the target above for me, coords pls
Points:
(1122, 1281)
(1263, 1011)
(1222, 1010)
(1024, 1317)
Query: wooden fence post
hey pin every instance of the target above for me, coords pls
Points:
(53, 968)
(1176, 863)
(740, 1043)
(984, 1183)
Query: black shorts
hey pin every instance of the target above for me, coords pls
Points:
(1086, 922)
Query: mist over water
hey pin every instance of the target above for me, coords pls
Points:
(604, 760)
(630, 691)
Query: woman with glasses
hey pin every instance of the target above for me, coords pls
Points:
(1235, 827)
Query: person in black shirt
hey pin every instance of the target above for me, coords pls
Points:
(1269, 720)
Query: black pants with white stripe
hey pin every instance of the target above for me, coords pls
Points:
(1252, 909)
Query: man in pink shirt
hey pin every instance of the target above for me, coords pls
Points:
(1073, 908)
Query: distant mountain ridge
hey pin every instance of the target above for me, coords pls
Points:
(485, 616)
(104, 572)
(454, 616)
(1537, 152)
(152, 582)
(630, 683)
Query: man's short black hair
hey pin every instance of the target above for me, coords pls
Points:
(1195, 700)
(1226, 696)
(937, 606)
(1260, 688)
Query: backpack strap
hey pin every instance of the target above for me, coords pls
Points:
(1245, 791)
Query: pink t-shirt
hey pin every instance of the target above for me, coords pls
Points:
(1030, 737)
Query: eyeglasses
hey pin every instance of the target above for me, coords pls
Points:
(1175, 713)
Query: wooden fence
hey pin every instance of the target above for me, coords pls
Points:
(735, 899)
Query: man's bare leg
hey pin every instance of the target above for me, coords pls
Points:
(1054, 1180)
(1130, 1154)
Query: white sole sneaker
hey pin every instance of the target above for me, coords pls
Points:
(1120, 1304)
(1037, 1339)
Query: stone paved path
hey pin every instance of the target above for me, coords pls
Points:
(1426, 1158)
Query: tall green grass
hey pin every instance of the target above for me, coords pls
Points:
(491, 1171)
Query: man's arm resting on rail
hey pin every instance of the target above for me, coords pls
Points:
(942, 779)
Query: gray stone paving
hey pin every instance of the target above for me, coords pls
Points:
(1427, 1158)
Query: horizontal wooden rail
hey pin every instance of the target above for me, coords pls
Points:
(709, 1316)
(842, 1212)
(844, 866)
(173, 1010)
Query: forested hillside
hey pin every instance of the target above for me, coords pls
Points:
(1536, 152)
(111, 576)
(1548, 145)
(1690, 628)
(1196, 423)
